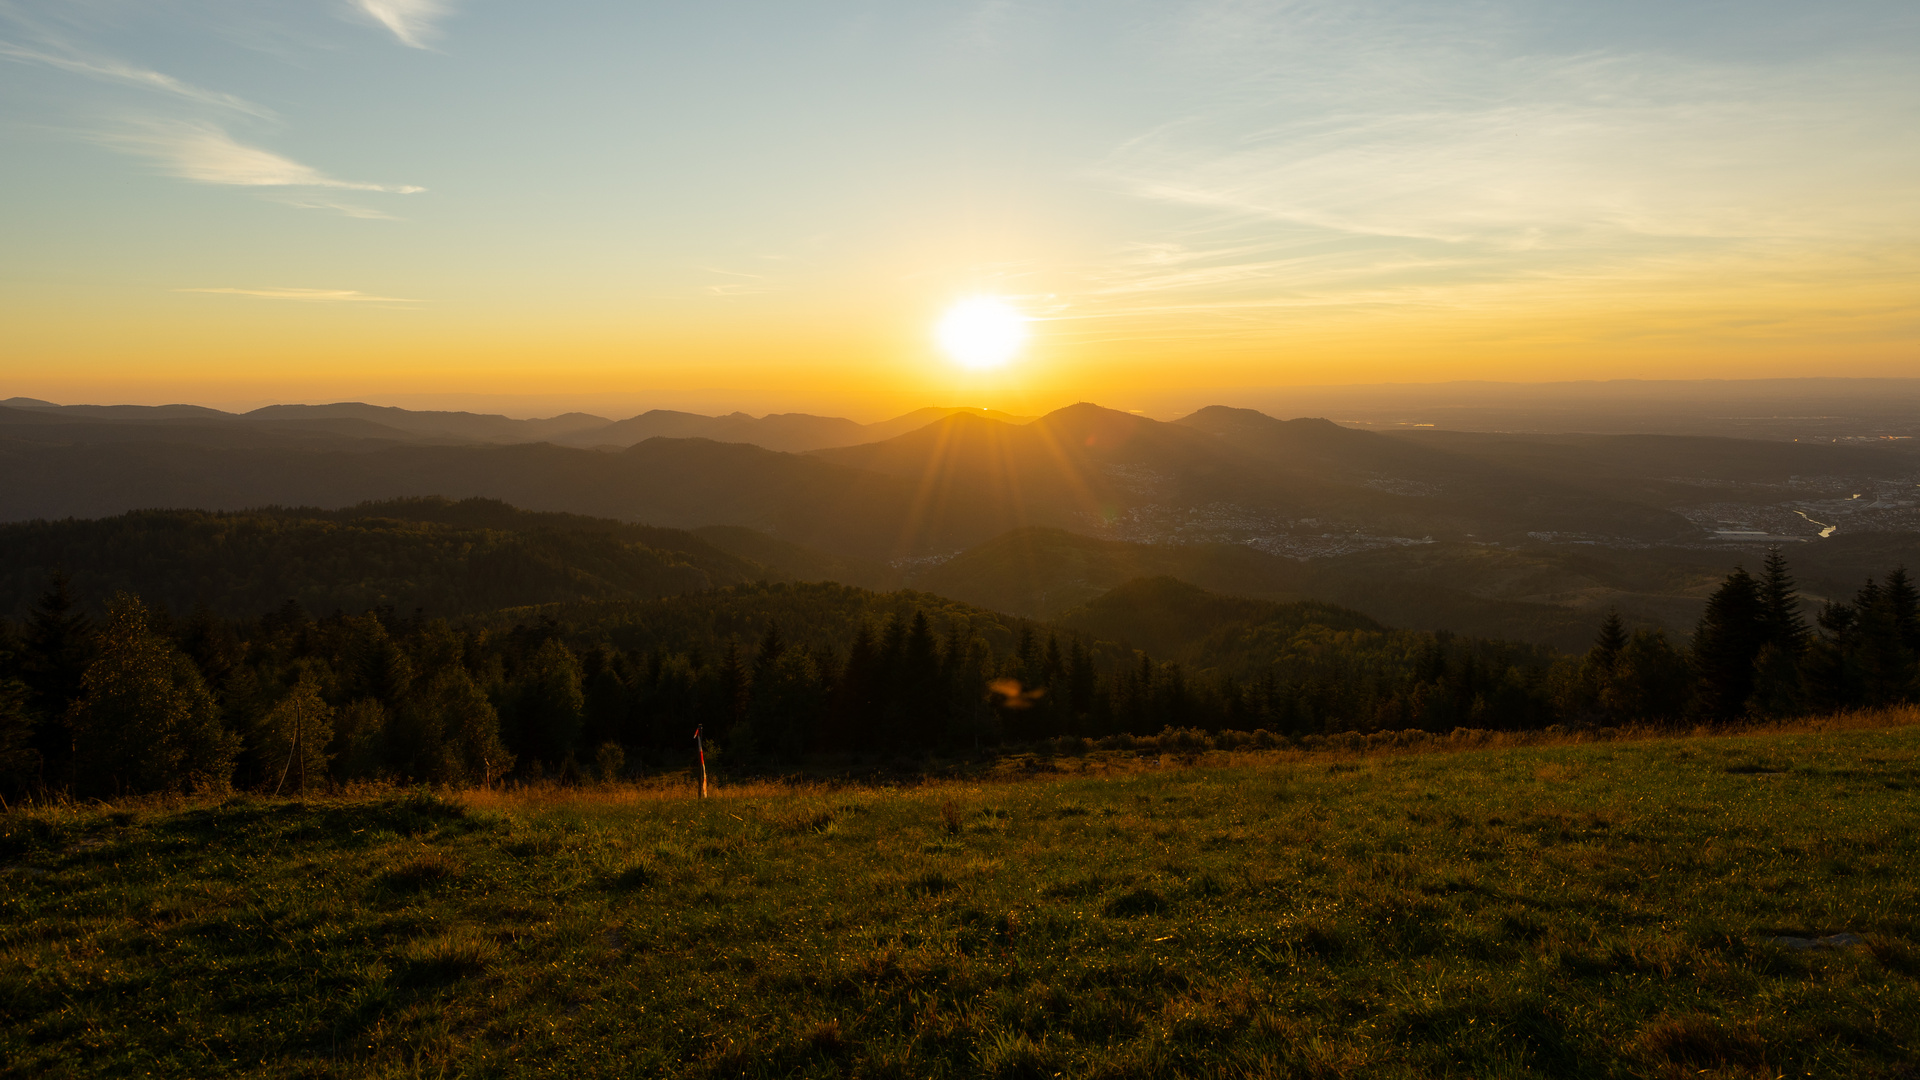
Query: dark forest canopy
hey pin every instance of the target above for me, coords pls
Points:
(445, 557)
(461, 642)
(773, 672)
(777, 673)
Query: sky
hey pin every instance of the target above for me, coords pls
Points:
(770, 205)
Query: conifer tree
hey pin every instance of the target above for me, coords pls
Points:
(1725, 643)
(212, 645)
(1650, 680)
(727, 694)
(19, 761)
(1609, 642)
(1903, 607)
(1594, 689)
(606, 709)
(548, 704)
(921, 716)
(145, 721)
(364, 747)
(1784, 626)
(59, 647)
(1082, 681)
(1778, 688)
(1880, 667)
(469, 748)
(856, 705)
(372, 664)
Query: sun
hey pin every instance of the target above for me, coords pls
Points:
(982, 332)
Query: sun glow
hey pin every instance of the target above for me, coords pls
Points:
(982, 332)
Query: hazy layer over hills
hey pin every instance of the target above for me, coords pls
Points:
(1521, 536)
(1787, 409)
(283, 424)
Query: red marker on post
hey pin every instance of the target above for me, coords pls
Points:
(702, 747)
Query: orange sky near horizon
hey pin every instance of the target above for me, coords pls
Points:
(611, 208)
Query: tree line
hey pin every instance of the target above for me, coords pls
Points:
(134, 700)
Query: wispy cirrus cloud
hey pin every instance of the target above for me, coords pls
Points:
(310, 296)
(412, 21)
(110, 70)
(345, 209)
(1338, 161)
(206, 153)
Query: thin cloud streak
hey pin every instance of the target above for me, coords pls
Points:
(114, 71)
(412, 21)
(310, 296)
(1350, 162)
(206, 153)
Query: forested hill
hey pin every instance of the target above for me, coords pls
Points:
(444, 557)
(776, 672)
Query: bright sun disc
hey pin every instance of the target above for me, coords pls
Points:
(982, 332)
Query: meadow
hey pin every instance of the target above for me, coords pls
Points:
(1546, 907)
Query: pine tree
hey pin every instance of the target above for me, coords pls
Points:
(1783, 625)
(727, 700)
(145, 721)
(1728, 638)
(59, 647)
(1650, 680)
(1778, 688)
(921, 721)
(1903, 605)
(856, 705)
(1593, 689)
(19, 761)
(548, 703)
(1879, 666)
(469, 749)
(365, 746)
(372, 664)
(212, 645)
(607, 705)
(1081, 685)
(1609, 642)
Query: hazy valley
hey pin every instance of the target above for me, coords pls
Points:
(1527, 536)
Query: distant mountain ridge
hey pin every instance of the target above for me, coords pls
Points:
(790, 432)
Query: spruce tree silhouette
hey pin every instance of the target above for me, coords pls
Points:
(1728, 639)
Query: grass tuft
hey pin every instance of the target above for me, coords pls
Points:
(1137, 903)
(931, 883)
(1015, 1056)
(635, 875)
(423, 871)
(803, 820)
(1703, 1042)
(24, 833)
(446, 957)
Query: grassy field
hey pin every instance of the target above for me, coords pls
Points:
(1585, 909)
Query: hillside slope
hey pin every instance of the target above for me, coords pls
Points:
(441, 557)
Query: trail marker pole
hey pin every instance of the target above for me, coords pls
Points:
(299, 715)
(291, 751)
(702, 747)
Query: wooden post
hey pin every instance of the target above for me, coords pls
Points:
(702, 747)
(299, 714)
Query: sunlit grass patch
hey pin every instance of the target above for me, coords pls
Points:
(1577, 908)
